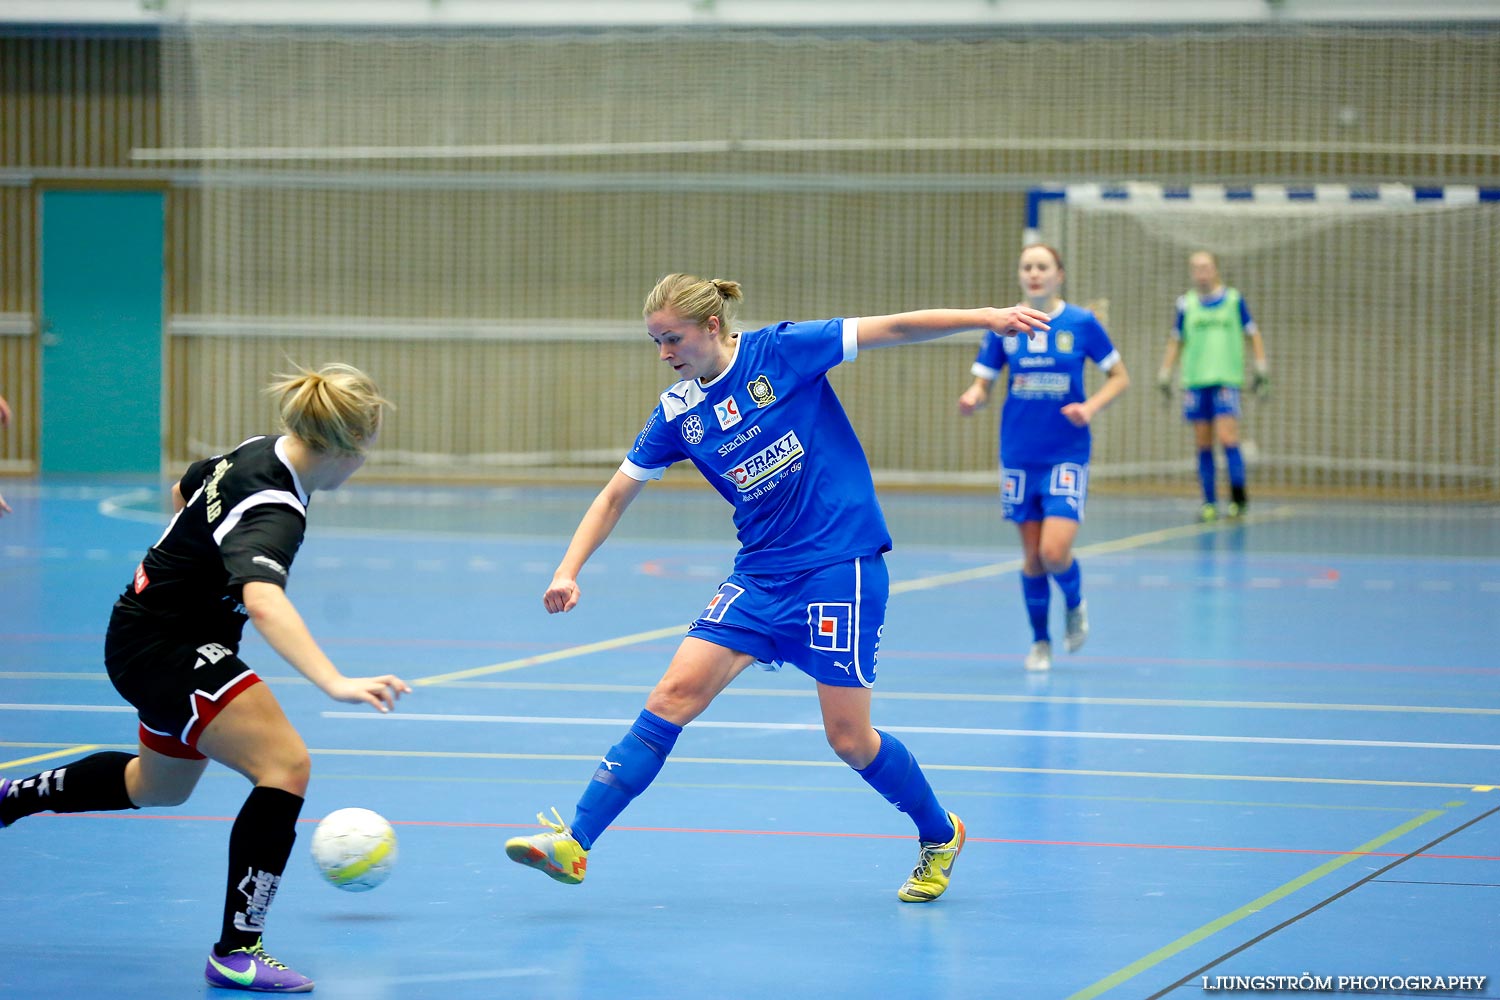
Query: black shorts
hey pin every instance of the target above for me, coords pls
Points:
(177, 684)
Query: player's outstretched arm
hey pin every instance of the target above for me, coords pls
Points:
(930, 324)
(598, 521)
(275, 618)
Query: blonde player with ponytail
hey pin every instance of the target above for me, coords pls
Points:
(172, 651)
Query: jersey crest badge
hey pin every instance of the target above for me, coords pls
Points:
(1065, 341)
(761, 391)
(692, 429)
(728, 413)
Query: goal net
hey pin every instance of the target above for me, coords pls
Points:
(476, 216)
(1378, 310)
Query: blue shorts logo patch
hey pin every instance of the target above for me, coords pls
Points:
(719, 606)
(830, 627)
(1012, 486)
(1068, 480)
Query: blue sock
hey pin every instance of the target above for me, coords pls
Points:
(895, 774)
(1038, 594)
(625, 772)
(1236, 466)
(1206, 474)
(1070, 582)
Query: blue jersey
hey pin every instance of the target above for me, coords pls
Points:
(1046, 374)
(770, 435)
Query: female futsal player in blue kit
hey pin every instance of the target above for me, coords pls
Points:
(1045, 440)
(755, 413)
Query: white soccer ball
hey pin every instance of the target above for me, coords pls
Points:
(354, 849)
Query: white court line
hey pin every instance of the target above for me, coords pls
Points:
(809, 695)
(938, 730)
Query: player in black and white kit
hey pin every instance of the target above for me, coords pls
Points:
(172, 650)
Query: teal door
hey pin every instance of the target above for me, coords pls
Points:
(102, 341)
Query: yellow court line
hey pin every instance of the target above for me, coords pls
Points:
(905, 586)
(6, 765)
(1254, 906)
(559, 654)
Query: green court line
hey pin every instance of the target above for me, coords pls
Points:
(903, 587)
(1468, 786)
(1254, 906)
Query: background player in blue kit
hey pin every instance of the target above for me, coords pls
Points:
(1213, 325)
(756, 414)
(1045, 440)
(172, 650)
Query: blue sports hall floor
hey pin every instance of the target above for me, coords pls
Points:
(1277, 755)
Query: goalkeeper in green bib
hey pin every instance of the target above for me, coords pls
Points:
(1213, 327)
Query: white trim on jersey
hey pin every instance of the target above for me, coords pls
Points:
(851, 338)
(173, 523)
(639, 473)
(985, 372)
(1109, 361)
(232, 519)
(682, 397)
(296, 480)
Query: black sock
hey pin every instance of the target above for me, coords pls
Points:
(259, 845)
(1237, 494)
(95, 783)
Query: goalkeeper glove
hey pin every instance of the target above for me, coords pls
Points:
(1260, 381)
(1164, 384)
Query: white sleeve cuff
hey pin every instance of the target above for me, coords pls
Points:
(639, 474)
(984, 372)
(851, 338)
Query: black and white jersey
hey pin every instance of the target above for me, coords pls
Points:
(244, 520)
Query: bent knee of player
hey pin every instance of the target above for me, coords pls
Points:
(287, 766)
(854, 745)
(678, 701)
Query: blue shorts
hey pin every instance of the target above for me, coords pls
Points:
(826, 622)
(1202, 405)
(1038, 492)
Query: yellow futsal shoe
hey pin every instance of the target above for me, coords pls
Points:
(929, 879)
(556, 852)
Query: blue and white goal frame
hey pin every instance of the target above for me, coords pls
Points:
(1392, 195)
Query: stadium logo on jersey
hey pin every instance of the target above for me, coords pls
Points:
(830, 627)
(1064, 341)
(1011, 343)
(728, 413)
(1036, 342)
(1012, 486)
(765, 463)
(761, 391)
(737, 440)
(719, 606)
(1068, 479)
(692, 429)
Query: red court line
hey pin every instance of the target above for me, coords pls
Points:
(818, 833)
